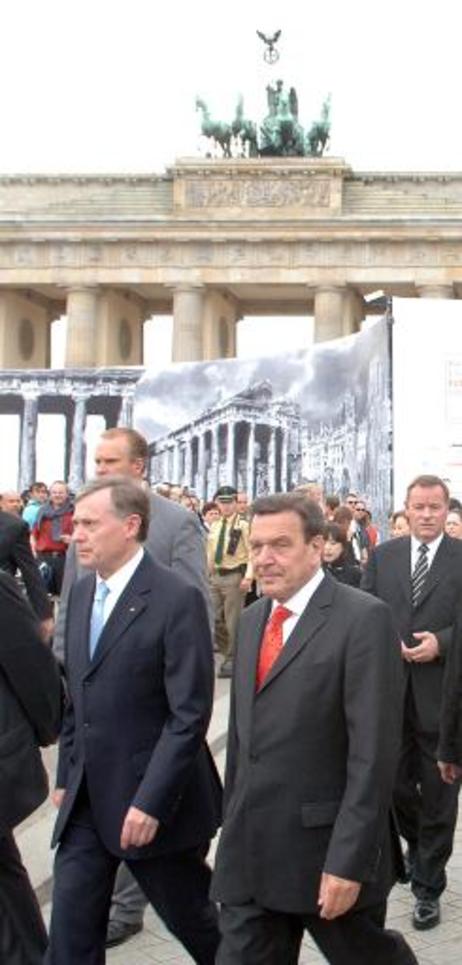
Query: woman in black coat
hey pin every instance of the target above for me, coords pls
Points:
(337, 558)
(30, 716)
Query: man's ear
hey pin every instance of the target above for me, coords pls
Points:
(317, 542)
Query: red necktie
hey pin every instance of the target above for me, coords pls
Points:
(272, 642)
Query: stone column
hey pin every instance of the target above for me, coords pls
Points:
(176, 464)
(188, 463)
(78, 448)
(435, 291)
(215, 461)
(272, 461)
(230, 455)
(337, 311)
(188, 311)
(285, 460)
(250, 487)
(126, 411)
(81, 339)
(27, 457)
(201, 475)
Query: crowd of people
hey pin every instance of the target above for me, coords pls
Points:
(344, 646)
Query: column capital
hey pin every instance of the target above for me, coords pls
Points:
(434, 290)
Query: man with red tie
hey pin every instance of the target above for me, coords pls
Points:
(313, 744)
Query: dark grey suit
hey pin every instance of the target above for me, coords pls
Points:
(310, 770)
(426, 808)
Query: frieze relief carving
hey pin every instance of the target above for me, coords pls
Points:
(261, 193)
(242, 253)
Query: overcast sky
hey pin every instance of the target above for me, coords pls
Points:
(109, 85)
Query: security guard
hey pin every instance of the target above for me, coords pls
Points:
(230, 572)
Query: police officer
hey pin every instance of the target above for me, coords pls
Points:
(230, 572)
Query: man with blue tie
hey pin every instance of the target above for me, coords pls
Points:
(136, 781)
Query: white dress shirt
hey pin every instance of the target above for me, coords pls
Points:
(118, 581)
(432, 549)
(298, 603)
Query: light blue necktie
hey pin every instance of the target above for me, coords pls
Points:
(97, 615)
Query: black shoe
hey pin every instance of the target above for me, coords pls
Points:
(426, 913)
(226, 669)
(119, 932)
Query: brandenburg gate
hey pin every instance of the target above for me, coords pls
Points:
(211, 241)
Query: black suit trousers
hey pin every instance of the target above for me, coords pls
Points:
(426, 807)
(22, 933)
(256, 936)
(177, 886)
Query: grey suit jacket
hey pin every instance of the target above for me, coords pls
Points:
(312, 756)
(175, 538)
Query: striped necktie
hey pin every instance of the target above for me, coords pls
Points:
(420, 573)
(97, 616)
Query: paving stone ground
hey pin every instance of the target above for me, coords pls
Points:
(154, 945)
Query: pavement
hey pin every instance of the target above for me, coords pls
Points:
(155, 946)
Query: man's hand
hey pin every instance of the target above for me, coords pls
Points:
(138, 829)
(450, 773)
(46, 629)
(245, 584)
(57, 796)
(427, 650)
(336, 895)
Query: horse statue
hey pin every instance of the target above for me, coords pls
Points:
(218, 131)
(317, 137)
(244, 131)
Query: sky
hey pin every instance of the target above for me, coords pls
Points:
(110, 86)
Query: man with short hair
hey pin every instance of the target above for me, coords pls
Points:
(420, 576)
(175, 539)
(11, 502)
(230, 572)
(312, 748)
(136, 781)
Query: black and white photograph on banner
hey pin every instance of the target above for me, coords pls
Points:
(269, 424)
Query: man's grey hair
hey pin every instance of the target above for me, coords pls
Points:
(127, 498)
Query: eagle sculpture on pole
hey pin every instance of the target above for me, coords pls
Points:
(271, 54)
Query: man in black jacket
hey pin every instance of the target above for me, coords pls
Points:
(30, 711)
(16, 554)
(420, 576)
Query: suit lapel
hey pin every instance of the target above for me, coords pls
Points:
(249, 648)
(310, 622)
(130, 604)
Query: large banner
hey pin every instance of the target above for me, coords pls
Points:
(267, 424)
(427, 391)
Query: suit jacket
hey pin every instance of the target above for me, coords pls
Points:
(450, 741)
(175, 538)
(16, 554)
(388, 575)
(30, 707)
(312, 755)
(138, 712)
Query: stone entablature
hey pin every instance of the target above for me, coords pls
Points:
(211, 241)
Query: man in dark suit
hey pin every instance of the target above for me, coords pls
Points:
(313, 744)
(176, 539)
(30, 716)
(135, 777)
(420, 576)
(16, 554)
